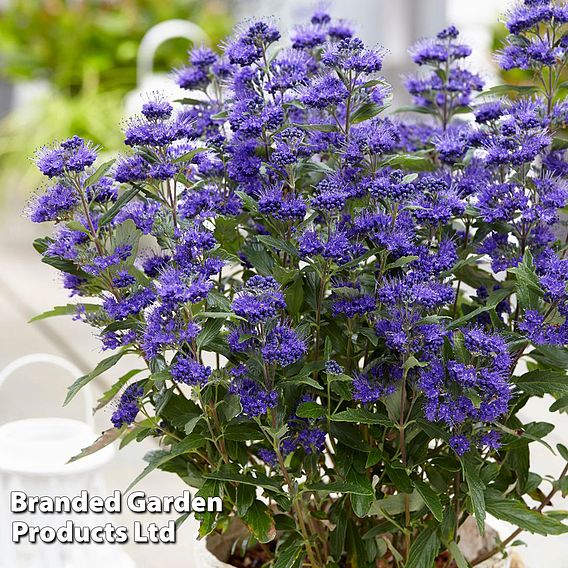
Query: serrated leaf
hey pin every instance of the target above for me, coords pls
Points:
(528, 287)
(517, 513)
(246, 495)
(229, 473)
(310, 410)
(476, 492)
(260, 522)
(210, 331)
(542, 381)
(431, 499)
(424, 550)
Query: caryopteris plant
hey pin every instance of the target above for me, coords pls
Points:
(341, 313)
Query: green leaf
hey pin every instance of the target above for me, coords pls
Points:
(494, 299)
(159, 458)
(412, 362)
(103, 366)
(400, 478)
(189, 155)
(122, 200)
(476, 492)
(517, 513)
(106, 438)
(551, 356)
(310, 410)
(191, 424)
(562, 450)
(561, 405)
(289, 556)
(246, 495)
(260, 522)
(528, 288)
(402, 261)
(361, 416)
(208, 520)
(68, 310)
(424, 550)
(410, 161)
(458, 555)
(295, 297)
(210, 331)
(542, 381)
(99, 173)
(431, 499)
(318, 127)
(113, 390)
(366, 111)
(230, 473)
(340, 487)
(395, 504)
(278, 244)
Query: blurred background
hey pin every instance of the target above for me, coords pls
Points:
(77, 67)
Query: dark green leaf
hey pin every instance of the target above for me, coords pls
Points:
(424, 550)
(310, 410)
(541, 382)
(289, 556)
(260, 522)
(517, 513)
(340, 487)
(528, 287)
(210, 331)
(229, 473)
(476, 492)
(431, 499)
(122, 200)
(246, 495)
(399, 477)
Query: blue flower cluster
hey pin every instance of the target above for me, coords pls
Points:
(277, 222)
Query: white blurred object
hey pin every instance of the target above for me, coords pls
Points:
(33, 458)
(147, 79)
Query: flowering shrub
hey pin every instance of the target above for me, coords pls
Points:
(336, 309)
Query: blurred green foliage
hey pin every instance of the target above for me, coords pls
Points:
(514, 76)
(86, 50)
(91, 44)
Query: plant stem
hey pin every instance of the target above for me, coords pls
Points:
(402, 443)
(297, 507)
